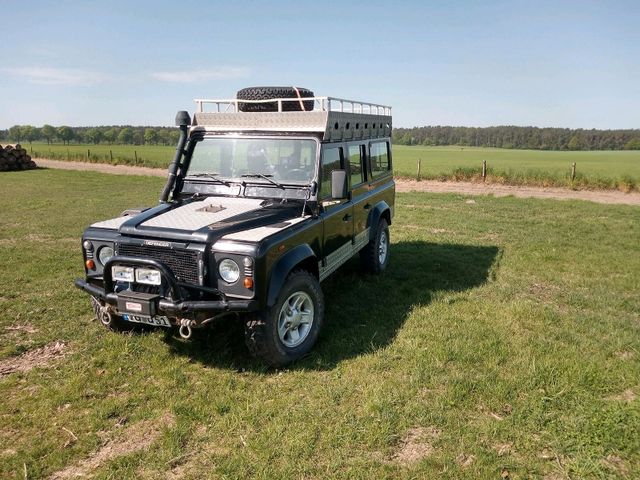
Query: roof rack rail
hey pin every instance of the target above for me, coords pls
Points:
(322, 104)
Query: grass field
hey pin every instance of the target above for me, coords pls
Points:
(595, 169)
(503, 341)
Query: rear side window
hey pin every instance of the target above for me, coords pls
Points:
(379, 157)
(356, 161)
(331, 160)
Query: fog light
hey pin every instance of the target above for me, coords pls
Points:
(122, 274)
(148, 276)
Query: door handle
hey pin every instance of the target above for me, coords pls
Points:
(346, 218)
(367, 206)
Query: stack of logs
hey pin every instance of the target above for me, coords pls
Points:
(15, 158)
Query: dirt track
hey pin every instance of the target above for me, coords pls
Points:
(465, 188)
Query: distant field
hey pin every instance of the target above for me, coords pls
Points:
(600, 169)
(594, 169)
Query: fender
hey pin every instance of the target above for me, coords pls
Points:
(283, 267)
(381, 210)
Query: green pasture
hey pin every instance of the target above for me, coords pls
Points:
(503, 341)
(598, 169)
(594, 169)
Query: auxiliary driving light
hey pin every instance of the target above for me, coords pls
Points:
(149, 276)
(122, 274)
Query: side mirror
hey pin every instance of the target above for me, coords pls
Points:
(338, 184)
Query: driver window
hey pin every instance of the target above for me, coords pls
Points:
(331, 160)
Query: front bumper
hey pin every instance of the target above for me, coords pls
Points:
(176, 306)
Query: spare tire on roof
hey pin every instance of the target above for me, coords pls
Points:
(266, 93)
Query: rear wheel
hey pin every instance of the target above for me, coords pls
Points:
(288, 330)
(375, 256)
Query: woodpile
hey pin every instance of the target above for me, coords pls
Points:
(15, 158)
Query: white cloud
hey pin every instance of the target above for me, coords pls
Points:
(57, 76)
(198, 76)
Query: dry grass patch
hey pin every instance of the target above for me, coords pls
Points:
(627, 396)
(415, 445)
(39, 357)
(133, 439)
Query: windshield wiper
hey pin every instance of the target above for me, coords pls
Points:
(212, 176)
(266, 177)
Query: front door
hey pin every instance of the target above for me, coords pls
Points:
(337, 215)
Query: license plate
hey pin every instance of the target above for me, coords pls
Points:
(158, 320)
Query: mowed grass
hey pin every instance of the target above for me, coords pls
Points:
(595, 169)
(502, 341)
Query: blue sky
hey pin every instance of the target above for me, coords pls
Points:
(566, 64)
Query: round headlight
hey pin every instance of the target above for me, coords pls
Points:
(104, 254)
(229, 270)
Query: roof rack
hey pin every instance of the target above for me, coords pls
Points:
(337, 119)
(324, 104)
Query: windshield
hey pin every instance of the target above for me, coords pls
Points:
(263, 160)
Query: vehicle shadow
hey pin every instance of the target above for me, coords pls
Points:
(363, 312)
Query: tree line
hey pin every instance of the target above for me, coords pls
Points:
(520, 137)
(106, 134)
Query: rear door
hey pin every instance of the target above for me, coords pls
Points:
(359, 187)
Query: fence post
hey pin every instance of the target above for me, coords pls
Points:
(573, 171)
(88, 154)
(111, 155)
(135, 154)
(419, 167)
(484, 170)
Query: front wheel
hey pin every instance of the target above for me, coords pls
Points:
(375, 256)
(288, 330)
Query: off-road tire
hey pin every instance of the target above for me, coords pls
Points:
(261, 329)
(370, 255)
(266, 93)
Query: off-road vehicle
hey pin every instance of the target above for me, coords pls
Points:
(268, 194)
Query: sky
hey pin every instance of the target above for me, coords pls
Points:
(473, 63)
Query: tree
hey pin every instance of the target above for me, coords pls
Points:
(574, 143)
(48, 132)
(174, 136)
(125, 135)
(111, 135)
(15, 133)
(633, 144)
(163, 136)
(29, 133)
(150, 136)
(65, 133)
(94, 135)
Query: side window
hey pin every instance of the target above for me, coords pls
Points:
(355, 164)
(379, 157)
(331, 160)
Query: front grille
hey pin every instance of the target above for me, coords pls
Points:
(183, 263)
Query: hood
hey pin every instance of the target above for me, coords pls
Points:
(204, 220)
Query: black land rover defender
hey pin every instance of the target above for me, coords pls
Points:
(268, 194)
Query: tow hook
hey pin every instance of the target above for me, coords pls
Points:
(105, 317)
(185, 328)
